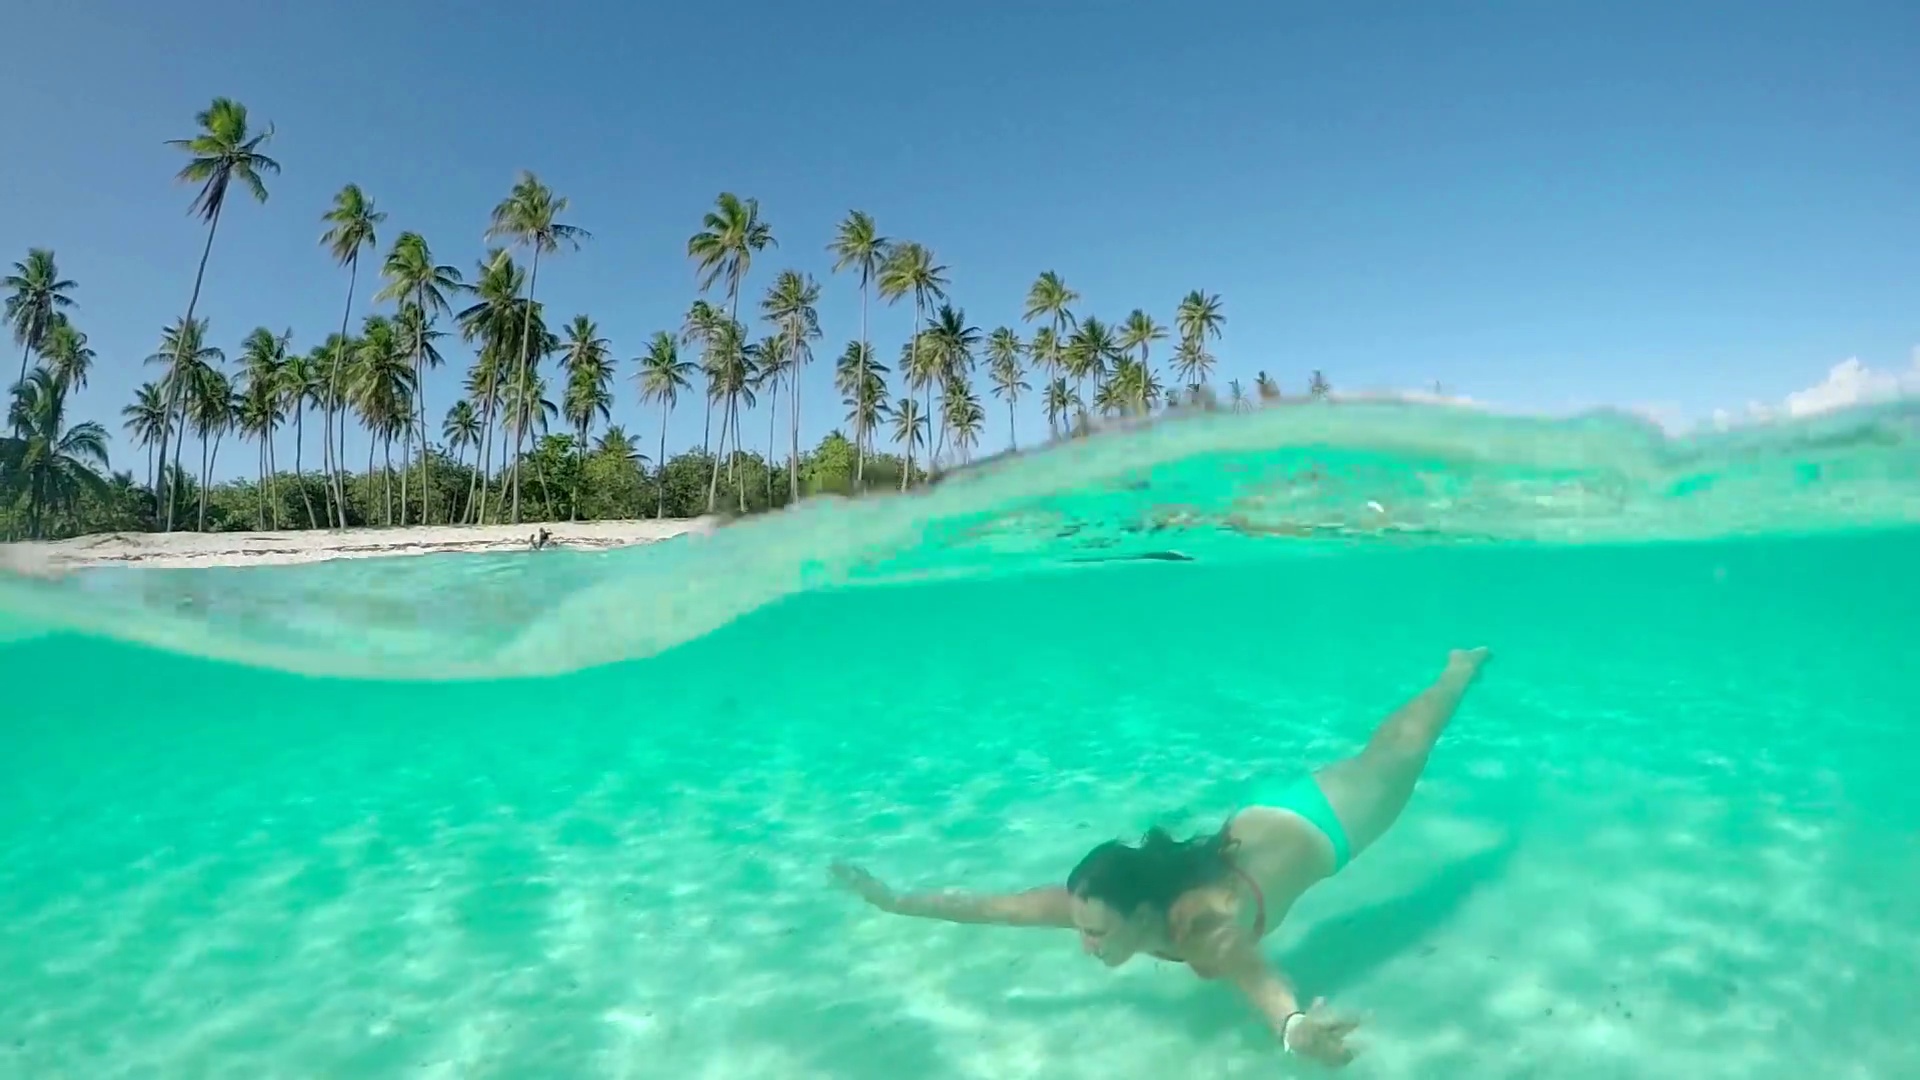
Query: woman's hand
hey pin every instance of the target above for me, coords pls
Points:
(1320, 1035)
(864, 885)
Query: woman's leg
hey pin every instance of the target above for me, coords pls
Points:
(1368, 791)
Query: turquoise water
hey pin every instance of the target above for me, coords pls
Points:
(569, 814)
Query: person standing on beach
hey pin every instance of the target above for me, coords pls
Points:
(1207, 902)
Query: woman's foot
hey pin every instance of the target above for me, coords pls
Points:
(1470, 659)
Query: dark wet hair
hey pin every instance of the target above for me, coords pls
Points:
(1155, 873)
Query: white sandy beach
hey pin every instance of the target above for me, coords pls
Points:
(189, 549)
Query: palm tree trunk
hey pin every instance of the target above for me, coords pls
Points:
(473, 480)
(333, 378)
(205, 467)
(420, 404)
(1012, 439)
(859, 398)
(386, 483)
(340, 458)
(713, 484)
(526, 357)
(178, 444)
(660, 463)
(793, 407)
(486, 465)
(299, 437)
(260, 492)
(173, 389)
(773, 417)
(326, 461)
(546, 493)
(406, 467)
(484, 451)
(907, 469)
(26, 350)
(740, 484)
(579, 467)
(273, 479)
(706, 427)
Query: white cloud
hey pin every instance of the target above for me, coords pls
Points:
(1848, 383)
(1851, 382)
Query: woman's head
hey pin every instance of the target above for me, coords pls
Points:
(1121, 892)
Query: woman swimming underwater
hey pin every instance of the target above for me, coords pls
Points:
(1207, 902)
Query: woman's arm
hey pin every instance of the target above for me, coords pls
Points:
(1218, 946)
(1035, 907)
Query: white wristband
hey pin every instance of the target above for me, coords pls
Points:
(1286, 1030)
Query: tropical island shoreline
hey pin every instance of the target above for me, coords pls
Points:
(283, 548)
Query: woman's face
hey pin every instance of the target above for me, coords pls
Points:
(1106, 933)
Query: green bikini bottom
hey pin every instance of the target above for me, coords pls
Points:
(1304, 797)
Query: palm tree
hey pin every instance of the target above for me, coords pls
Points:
(862, 384)
(1003, 368)
(1198, 318)
(910, 269)
(662, 376)
(909, 430)
(69, 359)
(416, 335)
(1318, 388)
(587, 360)
(772, 359)
(859, 246)
(461, 429)
(524, 406)
(702, 320)
(381, 390)
(1049, 298)
(186, 357)
(146, 417)
(412, 276)
(854, 374)
(528, 216)
(1191, 361)
(952, 342)
(1236, 396)
(1265, 388)
(1139, 331)
(350, 229)
(36, 294)
(300, 386)
(1133, 389)
(729, 237)
(791, 305)
(46, 461)
(222, 153)
(732, 375)
(962, 415)
(1090, 352)
(211, 409)
(263, 360)
(1062, 400)
(494, 321)
(920, 369)
(1047, 351)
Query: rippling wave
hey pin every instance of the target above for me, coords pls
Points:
(1209, 487)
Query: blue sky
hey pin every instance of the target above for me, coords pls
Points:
(1544, 206)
